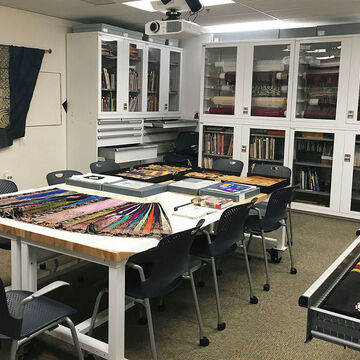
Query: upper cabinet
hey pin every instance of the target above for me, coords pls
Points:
(268, 80)
(322, 74)
(221, 80)
(138, 78)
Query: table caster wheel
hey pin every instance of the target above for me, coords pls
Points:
(204, 341)
(254, 300)
(293, 271)
(266, 287)
(274, 256)
(221, 326)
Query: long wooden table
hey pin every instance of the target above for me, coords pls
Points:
(112, 252)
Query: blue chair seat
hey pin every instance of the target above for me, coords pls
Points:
(38, 314)
(202, 248)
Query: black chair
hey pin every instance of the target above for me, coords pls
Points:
(278, 171)
(274, 218)
(25, 314)
(186, 150)
(162, 273)
(229, 165)
(100, 167)
(230, 232)
(6, 187)
(59, 177)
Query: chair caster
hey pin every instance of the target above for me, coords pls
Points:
(221, 326)
(161, 308)
(266, 287)
(293, 271)
(142, 321)
(200, 284)
(204, 341)
(274, 256)
(254, 300)
(219, 272)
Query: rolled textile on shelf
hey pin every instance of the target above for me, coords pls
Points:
(229, 77)
(269, 102)
(281, 76)
(223, 100)
(268, 112)
(268, 65)
(222, 111)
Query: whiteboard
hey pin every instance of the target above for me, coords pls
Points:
(45, 107)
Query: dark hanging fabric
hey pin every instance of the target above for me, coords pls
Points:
(23, 70)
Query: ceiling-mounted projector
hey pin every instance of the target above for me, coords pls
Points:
(172, 29)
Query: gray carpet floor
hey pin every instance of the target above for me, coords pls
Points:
(272, 329)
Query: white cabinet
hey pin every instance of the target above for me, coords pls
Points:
(268, 80)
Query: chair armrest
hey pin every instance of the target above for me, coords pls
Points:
(36, 294)
(138, 268)
(258, 211)
(207, 236)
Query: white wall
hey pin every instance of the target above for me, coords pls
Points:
(43, 149)
(190, 103)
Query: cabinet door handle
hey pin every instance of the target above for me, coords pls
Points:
(347, 157)
(165, 106)
(245, 110)
(350, 114)
(243, 148)
(125, 106)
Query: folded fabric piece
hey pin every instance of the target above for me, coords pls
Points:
(345, 297)
(320, 114)
(268, 65)
(222, 111)
(229, 77)
(223, 100)
(269, 102)
(268, 112)
(260, 90)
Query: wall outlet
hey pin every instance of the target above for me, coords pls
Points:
(8, 176)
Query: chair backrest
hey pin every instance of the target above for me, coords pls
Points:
(100, 167)
(271, 170)
(9, 326)
(231, 226)
(59, 177)
(187, 143)
(276, 208)
(171, 260)
(229, 165)
(7, 186)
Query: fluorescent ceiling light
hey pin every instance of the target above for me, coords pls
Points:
(252, 26)
(215, 2)
(141, 4)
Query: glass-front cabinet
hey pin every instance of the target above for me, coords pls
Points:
(268, 78)
(322, 75)
(136, 74)
(218, 143)
(109, 74)
(173, 103)
(266, 146)
(312, 167)
(220, 80)
(153, 83)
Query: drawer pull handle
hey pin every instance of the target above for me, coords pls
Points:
(102, 137)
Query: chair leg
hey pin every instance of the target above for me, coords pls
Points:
(253, 298)
(201, 282)
(249, 242)
(151, 328)
(289, 241)
(290, 224)
(267, 284)
(75, 338)
(13, 349)
(96, 310)
(221, 325)
(161, 306)
(203, 340)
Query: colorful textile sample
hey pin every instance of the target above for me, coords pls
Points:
(72, 211)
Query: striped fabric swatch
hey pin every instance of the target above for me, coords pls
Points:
(72, 211)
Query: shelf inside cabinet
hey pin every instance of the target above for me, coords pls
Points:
(218, 132)
(322, 193)
(218, 155)
(267, 160)
(311, 164)
(314, 139)
(268, 136)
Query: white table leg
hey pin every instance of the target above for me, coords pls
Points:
(28, 267)
(16, 264)
(117, 312)
(281, 239)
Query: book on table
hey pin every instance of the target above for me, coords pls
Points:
(135, 188)
(230, 190)
(212, 202)
(190, 186)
